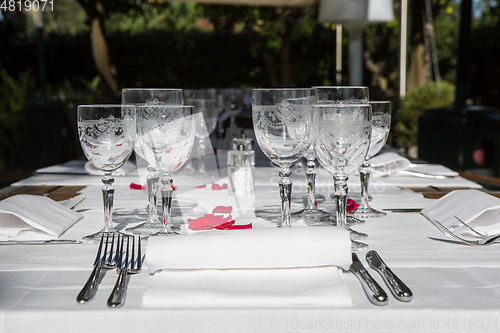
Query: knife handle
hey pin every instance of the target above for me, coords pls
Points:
(397, 287)
(372, 289)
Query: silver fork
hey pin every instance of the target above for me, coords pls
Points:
(125, 265)
(480, 242)
(104, 259)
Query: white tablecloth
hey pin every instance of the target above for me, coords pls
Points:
(456, 287)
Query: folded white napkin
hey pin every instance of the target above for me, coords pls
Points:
(122, 171)
(250, 268)
(388, 163)
(32, 217)
(479, 210)
(432, 169)
(392, 163)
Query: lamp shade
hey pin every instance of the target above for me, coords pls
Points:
(356, 11)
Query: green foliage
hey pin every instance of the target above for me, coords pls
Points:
(13, 93)
(178, 16)
(428, 96)
(77, 91)
(68, 17)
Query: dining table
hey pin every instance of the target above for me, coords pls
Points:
(456, 287)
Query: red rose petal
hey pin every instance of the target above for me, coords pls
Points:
(225, 225)
(222, 210)
(351, 205)
(201, 186)
(134, 186)
(217, 187)
(240, 227)
(201, 223)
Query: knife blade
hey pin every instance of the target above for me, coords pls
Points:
(396, 286)
(403, 210)
(372, 289)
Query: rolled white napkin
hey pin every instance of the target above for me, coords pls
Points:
(122, 171)
(250, 268)
(32, 217)
(253, 248)
(477, 209)
(388, 163)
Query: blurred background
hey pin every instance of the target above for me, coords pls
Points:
(85, 51)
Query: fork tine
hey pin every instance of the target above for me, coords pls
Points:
(99, 251)
(453, 234)
(132, 261)
(470, 228)
(139, 255)
(110, 262)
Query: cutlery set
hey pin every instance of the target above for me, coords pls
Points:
(373, 290)
(122, 254)
(484, 241)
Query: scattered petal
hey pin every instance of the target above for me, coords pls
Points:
(222, 210)
(201, 223)
(351, 205)
(217, 187)
(201, 186)
(134, 186)
(240, 227)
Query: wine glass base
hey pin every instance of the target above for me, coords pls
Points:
(310, 213)
(366, 213)
(145, 229)
(355, 235)
(358, 246)
(272, 214)
(330, 219)
(96, 237)
(166, 233)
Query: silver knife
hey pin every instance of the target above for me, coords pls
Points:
(403, 210)
(40, 242)
(372, 289)
(397, 287)
(426, 175)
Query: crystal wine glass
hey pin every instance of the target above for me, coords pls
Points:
(106, 134)
(205, 125)
(150, 97)
(342, 95)
(381, 125)
(341, 145)
(281, 121)
(166, 134)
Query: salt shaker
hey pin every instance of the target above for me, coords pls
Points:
(241, 167)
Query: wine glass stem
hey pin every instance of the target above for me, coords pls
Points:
(108, 193)
(364, 174)
(285, 185)
(166, 199)
(340, 195)
(311, 185)
(152, 188)
(201, 156)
